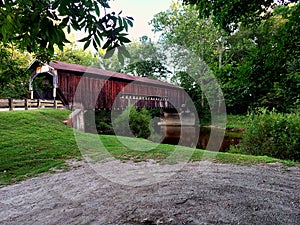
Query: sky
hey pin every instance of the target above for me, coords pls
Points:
(142, 11)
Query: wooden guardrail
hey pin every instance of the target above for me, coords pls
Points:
(12, 104)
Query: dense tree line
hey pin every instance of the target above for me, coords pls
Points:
(256, 64)
(253, 52)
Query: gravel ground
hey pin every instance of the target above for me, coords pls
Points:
(200, 193)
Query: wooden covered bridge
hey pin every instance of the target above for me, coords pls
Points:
(100, 89)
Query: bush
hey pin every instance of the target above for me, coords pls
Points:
(272, 134)
(103, 122)
(138, 120)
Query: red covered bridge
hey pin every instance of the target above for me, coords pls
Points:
(101, 89)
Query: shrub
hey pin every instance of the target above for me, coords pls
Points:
(104, 128)
(103, 122)
(98, 121)
(273, 134)
(138, 120)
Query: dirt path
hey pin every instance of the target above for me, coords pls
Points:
(201, 193)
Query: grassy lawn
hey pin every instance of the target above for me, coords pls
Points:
(236, 121)
(32, 142)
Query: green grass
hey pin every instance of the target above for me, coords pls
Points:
(236, 121)
(150, 150)
(33, 142)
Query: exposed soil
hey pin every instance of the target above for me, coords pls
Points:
(200, 193)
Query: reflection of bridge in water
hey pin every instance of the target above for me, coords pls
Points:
(195, 136)
(179, 128)
(230, 138)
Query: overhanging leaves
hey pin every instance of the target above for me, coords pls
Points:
(33, 25)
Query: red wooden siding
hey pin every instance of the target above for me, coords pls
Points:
(97, 91)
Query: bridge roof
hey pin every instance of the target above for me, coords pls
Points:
(108, 74)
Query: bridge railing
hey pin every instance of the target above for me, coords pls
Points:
(12, 104)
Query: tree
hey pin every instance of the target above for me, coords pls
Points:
(133, 122)
(180, 25)
(13, 75)
(145, 59)
(193, 49)
(255, 65)
(38, 25)
(76, 55)
(266, 69)
(229, 14)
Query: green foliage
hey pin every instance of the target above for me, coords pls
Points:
(196, 94)
(145, 59)
(38, 25)
(103, 122)
(139, 121)
(236, 121)
(197, 54)
(133, 121)
(263, 70)
(104, 127)
(180, 25)
(273, 134)
(147, 68)
(229, 14)
(14, 78)
(76, 55)
(256, 66)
